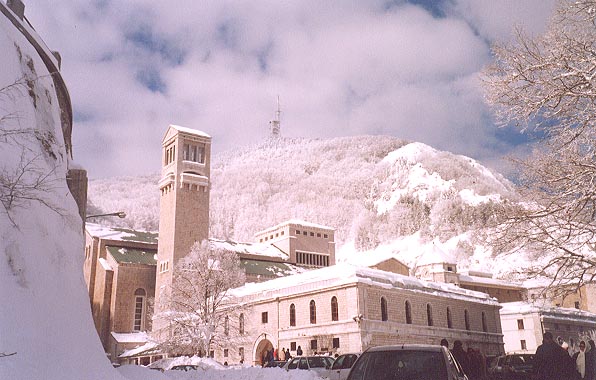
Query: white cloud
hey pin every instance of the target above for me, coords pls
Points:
(341, 68)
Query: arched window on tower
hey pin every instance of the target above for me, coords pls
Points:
(408, 313)
(241, 323)
(313, 312)
(227, 325)
(384, 314)
(449, 319)
(140, 306)
(429, 314)
(467, 319)
(484, 324)
(334, 309)
(292, 315)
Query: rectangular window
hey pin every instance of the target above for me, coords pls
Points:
(264, 317)
(138, 322)
(195, 153)
(312, 234)
(335, 342)
(520, 324)
(282, 233)
(318, 234)
(577, 304)
(225, 352)
(304, 233)
(326, 236)
(292, 346)
(523, 344)
(297, 232)
(313, 344)
(241, 354)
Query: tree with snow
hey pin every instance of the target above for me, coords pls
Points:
(198, 308)
(548, 83)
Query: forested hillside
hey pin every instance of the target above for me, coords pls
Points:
(372, 189)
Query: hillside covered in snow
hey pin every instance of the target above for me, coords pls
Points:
(377, 191)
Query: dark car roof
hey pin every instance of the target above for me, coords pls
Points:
(407, 347)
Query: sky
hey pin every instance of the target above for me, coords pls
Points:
(409, 69)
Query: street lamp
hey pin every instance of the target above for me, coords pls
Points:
(119, 214)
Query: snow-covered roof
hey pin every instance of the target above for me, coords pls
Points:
(105, 265)
(135, 337)
(434, 254)
(343, 274)
(488, 281)
(189, 130)
(298, 222)
(512, 308)
(373, 258)
(133, 255)
(257, 249)
(147, 348)
(269, 269)
(123, 234)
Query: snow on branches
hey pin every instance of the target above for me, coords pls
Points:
(197, 307)
(549, 83)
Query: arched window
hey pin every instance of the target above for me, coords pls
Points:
(408, 313)
(241, 323)
(484, 324)
(449, 320)
(429, 314)
(292, 315)
(467, 319)
(227, 325)
(313, 312)
(384, 316)
(334, 309)
(139, 316)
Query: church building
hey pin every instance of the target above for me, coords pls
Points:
(295, 294)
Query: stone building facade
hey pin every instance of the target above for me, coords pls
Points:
(119, 271)
(524, 323)
(348, 309)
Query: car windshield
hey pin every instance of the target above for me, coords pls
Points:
(319, 362)
(400, 365)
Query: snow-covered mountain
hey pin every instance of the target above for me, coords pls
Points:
(375, 190)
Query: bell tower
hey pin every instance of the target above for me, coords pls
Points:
(184, 201)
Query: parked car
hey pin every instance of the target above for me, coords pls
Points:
(405, 362)
(319, 364)
(185, 367)
(512, 367)
(342, 365)
(275, 363)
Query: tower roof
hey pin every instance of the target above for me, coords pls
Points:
(186, 130)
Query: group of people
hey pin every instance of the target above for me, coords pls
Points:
(553, 361)
(283, 355)
(472, 361)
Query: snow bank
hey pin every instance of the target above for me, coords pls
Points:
(45, 319)
(231, 373)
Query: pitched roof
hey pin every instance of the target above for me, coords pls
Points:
(118, 233)
(268, 268)
(133, 255)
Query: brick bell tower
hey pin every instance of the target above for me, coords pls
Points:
(184, 203)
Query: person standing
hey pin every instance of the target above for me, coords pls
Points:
(461, 356)
(282, 354)
(299, 351)
(584, 363)
(551, 362)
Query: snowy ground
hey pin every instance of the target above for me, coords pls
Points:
(132, 372)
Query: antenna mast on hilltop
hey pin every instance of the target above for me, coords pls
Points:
(274, 125)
